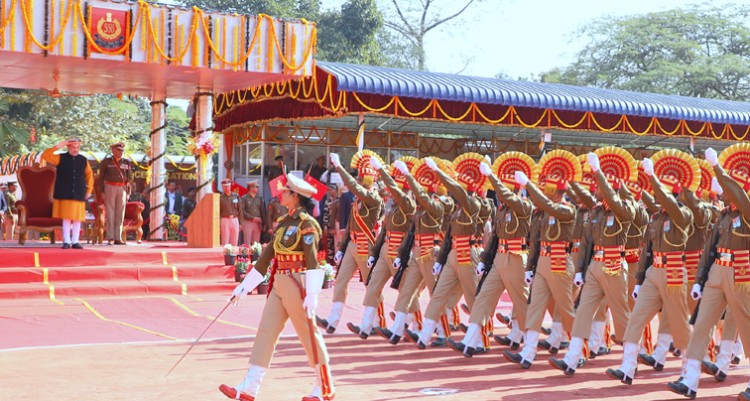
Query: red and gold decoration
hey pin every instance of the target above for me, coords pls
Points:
(468, 174)
(676, 170)
(642, 180)
(361, 163)
(425, 176)
(109, 29)
(587, 178)
(559, 167)
(617, 163)
(400, 179)
(707, 174)
(736, 161)
(508, 163)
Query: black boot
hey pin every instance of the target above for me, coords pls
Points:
(619, 375)
(560, 364)
(649, 360)
(679, 388)
(516, 357)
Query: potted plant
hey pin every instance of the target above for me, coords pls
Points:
(330, 274)
(255, 249)
(263, 286)
(229, 254)
(240, 269)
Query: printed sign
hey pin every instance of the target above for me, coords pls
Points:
(109, 29)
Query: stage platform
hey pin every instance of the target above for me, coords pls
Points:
(43, 270)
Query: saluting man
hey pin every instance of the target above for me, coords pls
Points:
(114, 183)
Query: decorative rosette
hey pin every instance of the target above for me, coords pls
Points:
(508, 163)
(642, 180)
(707, 174)
(400, 179)
(361, 162)
(424, 175)
(617, 163)
(587, 177)
(736, 161)
(559, 167)
(676, 169)
(468, 173)
(635, 188)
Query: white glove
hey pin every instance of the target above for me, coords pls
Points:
(711, 157)
(715, 187)
(313, 286)
(487, 157)
(593, 160)
(578, 279)
(528, 277)
(431, 164)
(248, 284)
(371, 262)
(696, 292)
(397, 263)
(648, 166)
(521, 178)
(402, 167)
(485, 169)
(636, 289)
(337, 258)
(375, 163)
(436, 268)
(480, 267)
(335, 160)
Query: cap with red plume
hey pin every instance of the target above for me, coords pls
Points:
(736, 161)
(559, 167)
(509, 162)
(676, 170)
(468, 173)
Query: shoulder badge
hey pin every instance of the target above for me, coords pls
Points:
(309, 238)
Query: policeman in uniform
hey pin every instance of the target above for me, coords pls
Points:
(360, 231)
(11, 213)
(114, 184)
(296, 281)
(253, 214)
(725, 280)
(664, 284)
(229, 210)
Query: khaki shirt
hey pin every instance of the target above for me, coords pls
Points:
(10, 199)
(612, 227)
(637, 231)
(253, 208)
(399, 217)
(671, 227)
(297, 233)
(734, 224)
(368, 203)
(466, 214)
(276, 211)
(702, 216)
(229, 205)
(512, 220)
(558, 219)
(429, 215)
(120, 171)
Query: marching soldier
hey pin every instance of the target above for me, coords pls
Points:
(664, 285)
(360, 230)
(296, 281)
(605, 275)
(114, 184)
(554, 269)
(396, 225)
(724, 278)
(229, 210)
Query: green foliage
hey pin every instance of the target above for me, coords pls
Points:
(699, 50)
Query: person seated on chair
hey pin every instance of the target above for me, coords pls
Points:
(73, 185)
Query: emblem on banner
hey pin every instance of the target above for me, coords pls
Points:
(109, 29)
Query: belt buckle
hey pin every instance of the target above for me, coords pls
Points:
(599, 253)
(726, 257)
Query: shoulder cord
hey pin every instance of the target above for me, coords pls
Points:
(280, 248)
(747, 224)
(685, 234)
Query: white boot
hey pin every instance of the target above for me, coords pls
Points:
(629, 359)
(317, 391)
(575, 353)
(472, 337)
(596, 336)
(515, 335)
(335, 316)
(399, 324)
(409, 319)
(556, 335)
(251, 384)
(427, 329)
(739, 350)
(725, 357)
(528, 353)
(662, 348)
(692, 374)
(368, 317)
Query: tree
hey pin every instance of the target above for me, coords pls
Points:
(349, 34)
(413, 20)
(701, 51)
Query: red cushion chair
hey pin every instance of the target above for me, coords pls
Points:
(35, 208)
(133, 220)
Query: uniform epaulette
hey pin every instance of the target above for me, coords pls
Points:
(278, 219)
(306, 217)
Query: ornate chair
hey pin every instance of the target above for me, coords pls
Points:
(133, 220)
(35, 208)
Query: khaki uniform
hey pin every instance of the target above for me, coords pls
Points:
(229, 209)
(114, 182)
(294, 248)
(253, 218)
(11, 216)
(275, 211)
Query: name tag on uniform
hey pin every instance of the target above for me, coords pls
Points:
(610, 221)
(234, 200)
(552, 220)
(124, 167)
(736, 222)
(667, 225)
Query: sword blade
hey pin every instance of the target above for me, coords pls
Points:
(229, 302)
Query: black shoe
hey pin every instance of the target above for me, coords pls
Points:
(482, 350)
(411, 336)
(118, 242)
(355, 329)
(745, 395)
(466, 309)
(736, 360)
(461, 347)
(453, 327)
(649, 360)
(516, 357)
(560, 364)
(394, 339)
(675, 351)
(385, 333)
(323, 324)
(615, 340)
(713, 370)
(502, 318)
(463, 327)
(601, 351)
(77, 246)
(679, 388)
(544, 344)
(66, 246)
(619, 375)
(439, 342)
(546, 331)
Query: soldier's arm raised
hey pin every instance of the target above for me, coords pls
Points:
(681, 216)
(622, 209)
(650, 202)
(561, 211)
(509, 198)
(402, 201)
(733, 190)
(362, 193)
(587, 199)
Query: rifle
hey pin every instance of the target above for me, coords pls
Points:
(704, 270)
(376, 248)
(342, 248)
(488, 260)
(445, 249)
(533, 261)
(404, 255)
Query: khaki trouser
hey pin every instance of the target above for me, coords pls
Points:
(114, 211)
(9, 226)
(417, 276)
(349, 263)
(381, 272)
(720, 292)
(507, 274)
(546, 286)
(653, 296)
(230, 230)
(285, 302)
(602, 285)
(664, 324)
(452, 276)
(251, 231)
